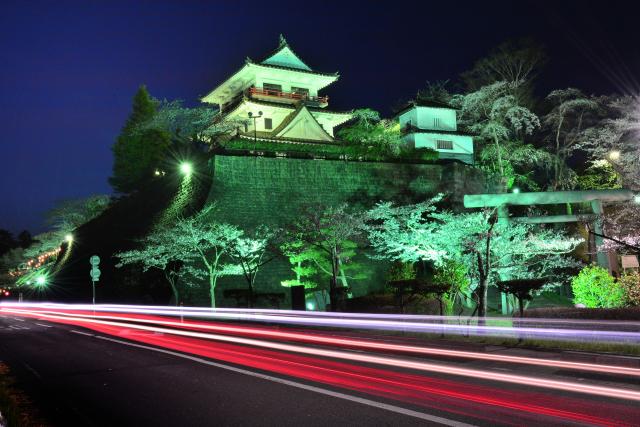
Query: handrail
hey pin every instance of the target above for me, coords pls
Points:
(287, 95)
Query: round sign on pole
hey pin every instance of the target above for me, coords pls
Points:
(94, 260)
(95, 274)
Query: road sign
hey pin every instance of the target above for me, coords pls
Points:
(95, 274)
(94, 260)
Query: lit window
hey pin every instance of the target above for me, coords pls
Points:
(268, 124)
(444, 145)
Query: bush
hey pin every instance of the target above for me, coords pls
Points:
(630, 282)
(594, 287)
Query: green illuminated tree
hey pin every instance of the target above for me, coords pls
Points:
(594, 287)
(198, 242)
(600, 175)
(303, 260)
(374, 135)
(136, 154)
(334, 232)
(453, 276)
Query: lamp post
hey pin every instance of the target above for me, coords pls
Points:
(255, 130)
(614, 155)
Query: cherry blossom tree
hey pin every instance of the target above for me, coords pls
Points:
(490, 249)
(565, 123)
(198, 242)
(500, 121)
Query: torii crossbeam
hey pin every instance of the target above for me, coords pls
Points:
(502, 201)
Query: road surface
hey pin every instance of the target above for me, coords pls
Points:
(136, 372)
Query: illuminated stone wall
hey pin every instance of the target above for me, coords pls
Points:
(258, 190)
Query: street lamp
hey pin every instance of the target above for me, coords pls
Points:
(41, 280)
(255, 129)
(186, 168)
(614, 155)
(68, 238)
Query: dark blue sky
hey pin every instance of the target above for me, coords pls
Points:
(69, 69)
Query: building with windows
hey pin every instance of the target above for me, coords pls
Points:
(280, 96)
(432, 124)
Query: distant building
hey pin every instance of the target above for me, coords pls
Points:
(431, 124)
(282, 93)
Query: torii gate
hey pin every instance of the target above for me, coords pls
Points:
(502, 201)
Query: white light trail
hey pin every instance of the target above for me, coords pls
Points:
(616, 393)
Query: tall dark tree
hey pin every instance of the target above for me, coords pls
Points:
(515, 62)
(7, 242)
(138, 151)
(24, 239)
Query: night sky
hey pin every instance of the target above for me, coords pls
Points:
(69, 69)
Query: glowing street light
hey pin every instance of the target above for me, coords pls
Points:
(614, 155)
(41, 280)
(515, 190)
(68, 238)
(186, 168)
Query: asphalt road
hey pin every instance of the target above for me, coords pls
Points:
(80, 376)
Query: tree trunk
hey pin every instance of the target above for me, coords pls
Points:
(176, 295)
(212, 290)
(333, 284)
(499, 154)
(482, 297)
(172, 282)
(521, 304)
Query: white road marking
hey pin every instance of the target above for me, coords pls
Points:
(33, 371)
(44, 326)
(19, 320)
(384, 406)
(14, 327)
(81, 333)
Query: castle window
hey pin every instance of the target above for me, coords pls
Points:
(436, 122)
(444, 145)
(303, 92)
(276, 89)
(268, 123)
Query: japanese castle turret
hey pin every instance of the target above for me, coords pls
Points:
(280, 96)
(433, 124)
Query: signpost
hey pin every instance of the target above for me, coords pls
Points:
(95, 274)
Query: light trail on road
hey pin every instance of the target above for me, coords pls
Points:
(393, 370)
(274, 334)
(348, 321)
